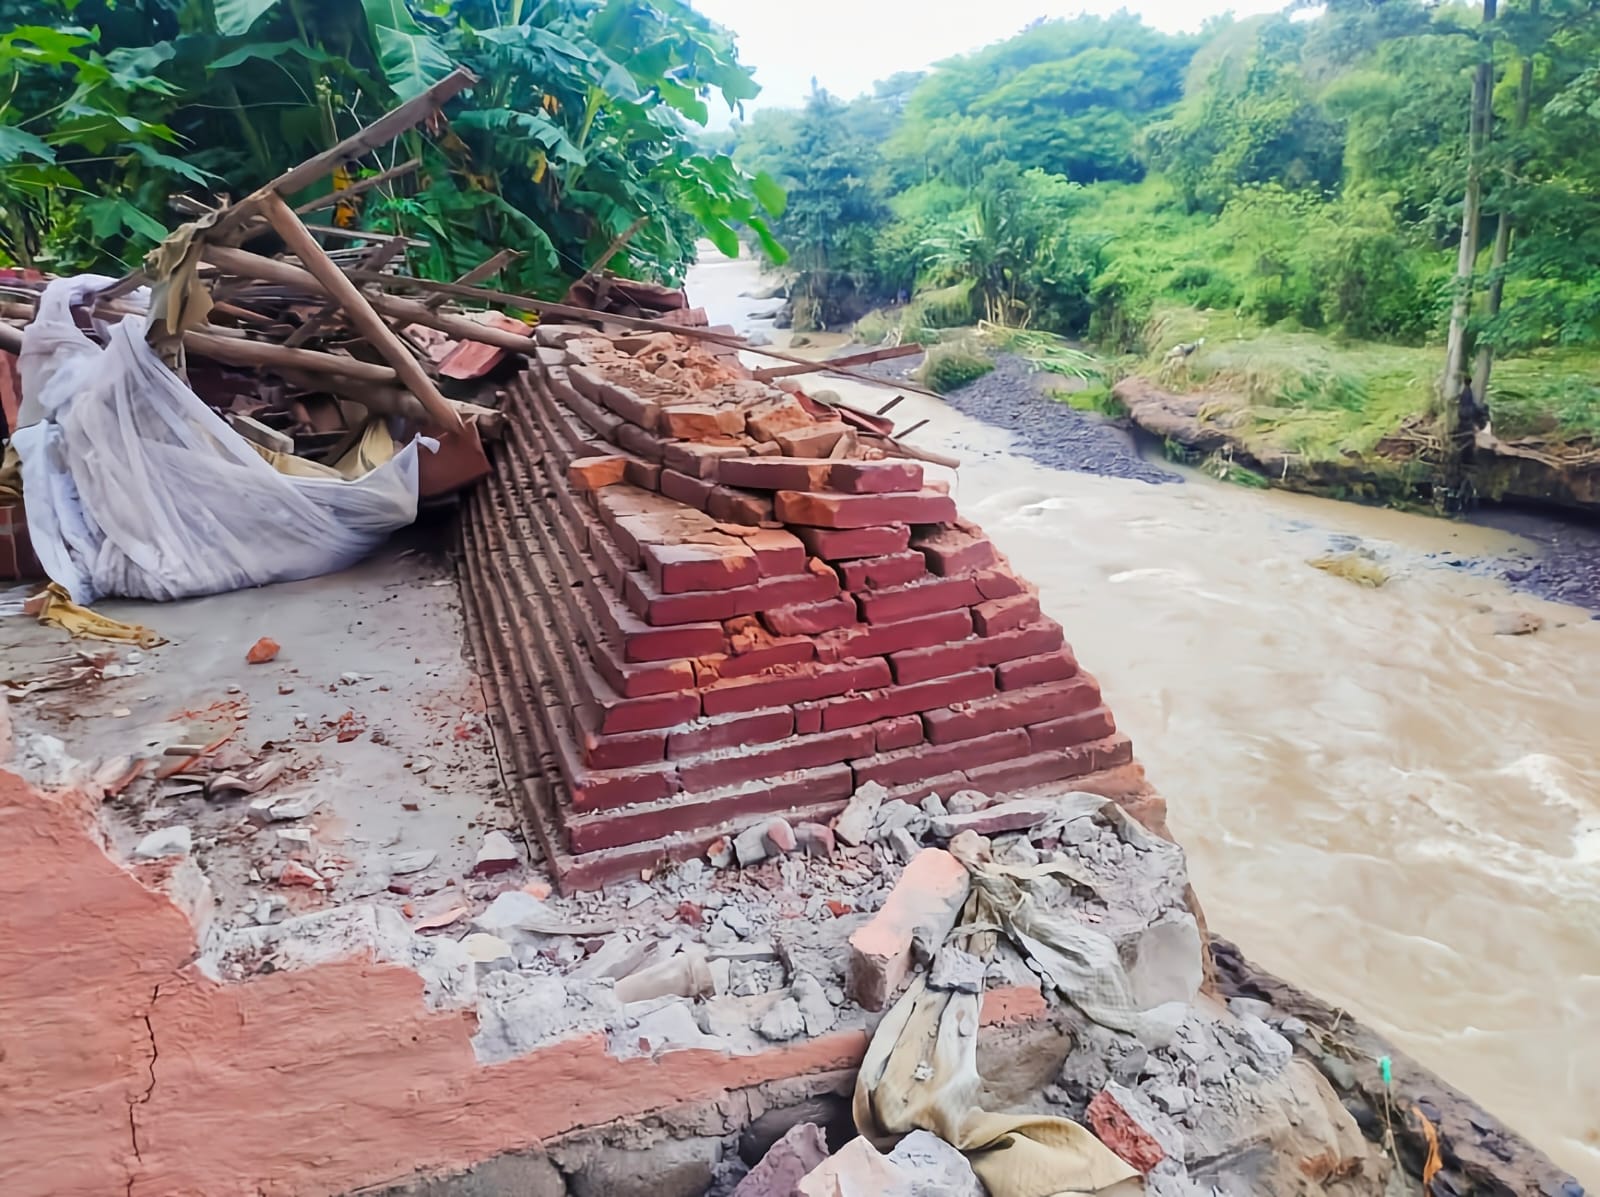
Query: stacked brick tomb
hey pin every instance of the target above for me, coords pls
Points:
(701, 599)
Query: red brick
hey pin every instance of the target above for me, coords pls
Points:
(815, 441)
(686, 489)
(884, 638)
(624, 751)
(698, 460)
(694, 421)
(956, 551)
(777, 552)
(916, 791)
(636, 440)
(861, 511)
(641, 642)
(923, 906)
(1055, 765)
(680, 568)
(643, 714)
(941, 660)
(1014, 708)
(904, 700)
(754, 727)
(997, 583)
(813, 586)
(774, 760)
(907, 765)
(901, 732)
(664, 610)
(641, 473)
(895, 603)
(684, 813)
(800, 684)
(841, 544)
(598, 789)
(1001, 615)
(811, 619)
(639, 681)
(1030, 671)
(792, 650)
(893, 570)
(782, 413)
(631, 407)
(1030, 641)
(591, 413)
(807, 718)
(874, 477)
(1123, 1133)
(774, 473)
(738, 506)
(1072, 730)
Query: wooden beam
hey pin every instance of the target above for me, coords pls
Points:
(358, 187)
(851, 359)
(397, 282)
(380, 132)
(482, 272)
(338, 234)
(357, 310)
(374, 259)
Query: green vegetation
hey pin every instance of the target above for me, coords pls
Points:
(580, 124)
(949, 367)
(1293, 189)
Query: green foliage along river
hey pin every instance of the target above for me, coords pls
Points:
(1283, 196)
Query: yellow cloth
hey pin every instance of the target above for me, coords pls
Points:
(178, 299)
(10, 474)
(54, 605)
(374, 448)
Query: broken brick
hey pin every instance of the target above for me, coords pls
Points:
(774, 473)
(875, 477)
(861, 511)
(923, 905)
(895, 569)
(811, 619)
(841, 544)
(994, 616)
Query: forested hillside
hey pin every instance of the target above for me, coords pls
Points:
(1291, 188)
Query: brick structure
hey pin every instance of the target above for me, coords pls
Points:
(702, 599)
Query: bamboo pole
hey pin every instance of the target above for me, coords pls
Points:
(852, 359)
(358, 187)
(483, 270)
(356, 308)
(374, 259)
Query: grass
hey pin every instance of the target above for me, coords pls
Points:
(952, 366)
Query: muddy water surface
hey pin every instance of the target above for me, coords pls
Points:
(1382, 800)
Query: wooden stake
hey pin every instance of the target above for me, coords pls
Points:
(356, 308)
(358, 187)
(374, 259)
(481, 272)
(829, 364)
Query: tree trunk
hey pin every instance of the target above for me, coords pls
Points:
(1502, 233)
(1466, 258)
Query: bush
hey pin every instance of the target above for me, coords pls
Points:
(1204, 286)
(951, 367)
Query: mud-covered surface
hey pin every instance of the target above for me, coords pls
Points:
(1391, 1095)
(1567, 566)
(1051, 432)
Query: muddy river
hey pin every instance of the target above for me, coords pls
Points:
(1382, 800)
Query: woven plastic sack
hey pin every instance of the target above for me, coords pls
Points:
(136, 488)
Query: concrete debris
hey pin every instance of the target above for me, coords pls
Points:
(921, 1165)
(933, 806)
(488, 952)
(783, 1022)
(933, 1168)
(497, 855)
(956, 970)
(921, 909)
(898, 816)
(997, 819)
(519, 911)
(815, 839)
(167, 841)
(687, 974)
(964, 802)
(787, 1161)
(751, 845)
(903, 845)
(296, 835)
(854, 825)
(815, 1009)
(405, 863)
(519, 1011)
(616, 957)
(292, 872)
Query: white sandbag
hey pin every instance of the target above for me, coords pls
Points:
(135, 487)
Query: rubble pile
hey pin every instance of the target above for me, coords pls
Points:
(704, 598)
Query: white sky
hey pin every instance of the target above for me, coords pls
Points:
(848, 44)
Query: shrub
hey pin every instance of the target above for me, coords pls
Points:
(950, 367)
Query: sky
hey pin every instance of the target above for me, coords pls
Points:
(849, 44)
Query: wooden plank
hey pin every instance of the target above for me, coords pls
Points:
(374, 259)
(853, 359)
(357, 310)
(588, 315)
(482, 272)
(357, 188)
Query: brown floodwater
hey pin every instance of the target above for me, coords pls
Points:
(1382, 800)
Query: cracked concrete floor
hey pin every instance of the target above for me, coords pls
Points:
(371, 711)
